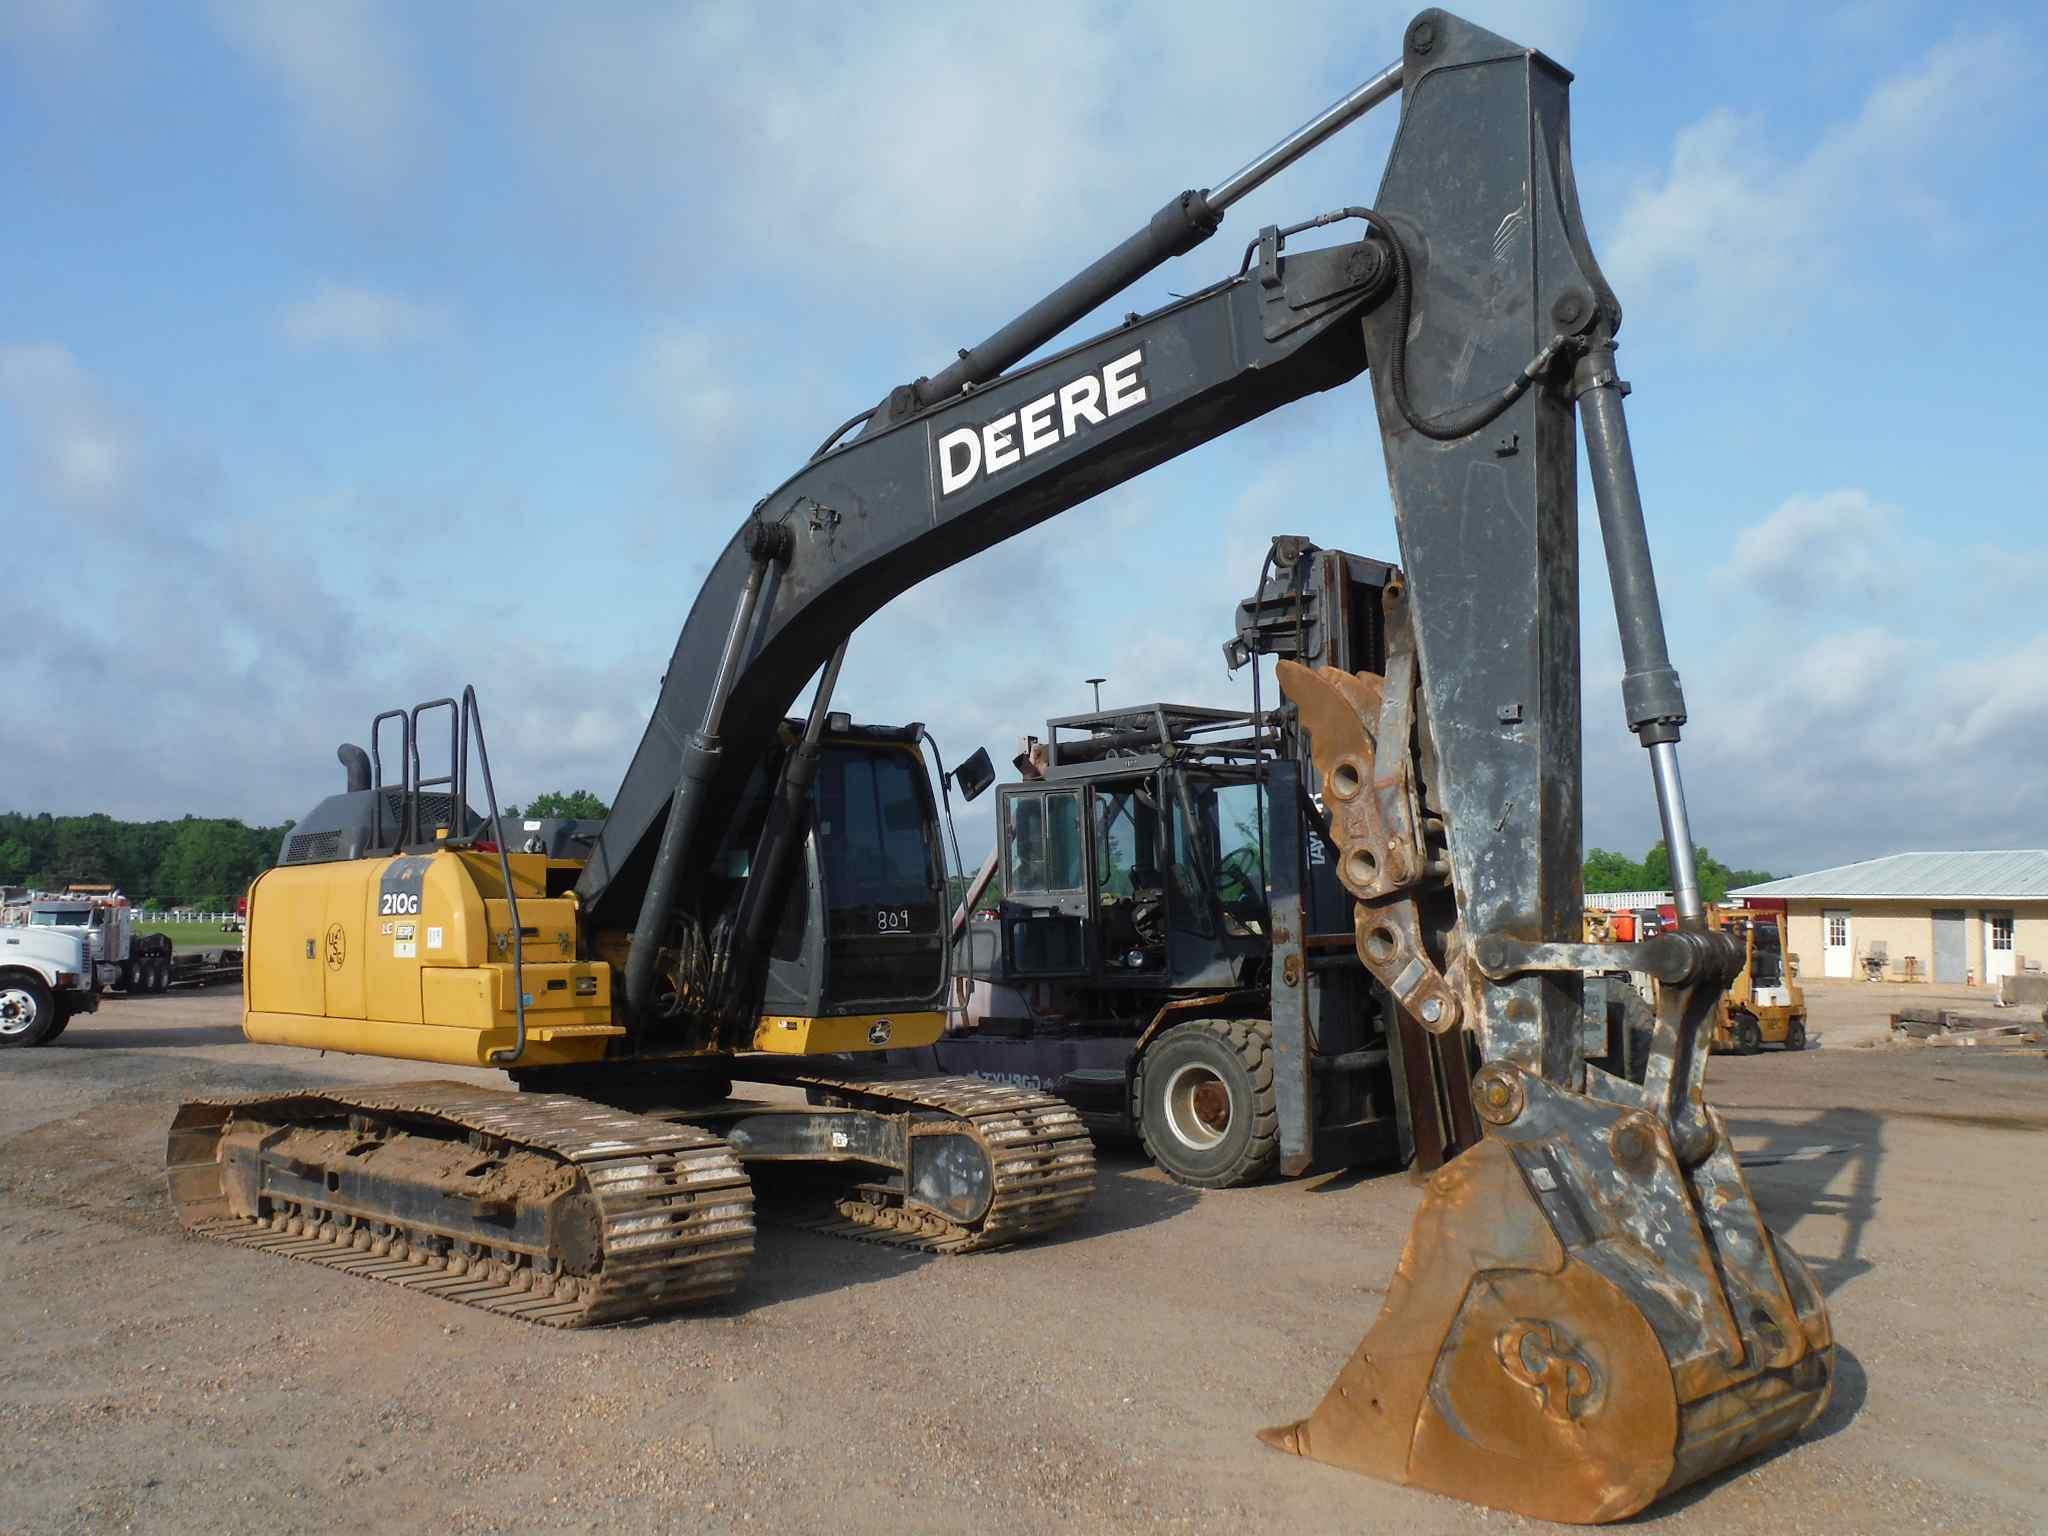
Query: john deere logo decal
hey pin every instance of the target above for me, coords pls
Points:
(878, 1032)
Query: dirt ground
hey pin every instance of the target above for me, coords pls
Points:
(1108, 1381)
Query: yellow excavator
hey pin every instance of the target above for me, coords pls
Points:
(1590, 1311)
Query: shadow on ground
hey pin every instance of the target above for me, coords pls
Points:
(90, 1035)
(791, 1262)
(1825, 1165)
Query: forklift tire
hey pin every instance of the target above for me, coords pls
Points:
(1795, 1035)
(1748, 1038)
(1202, 1097)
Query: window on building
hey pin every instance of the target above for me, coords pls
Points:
(2001, 929)
(1838, 930)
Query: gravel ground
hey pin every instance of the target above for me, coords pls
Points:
(1107, 1381)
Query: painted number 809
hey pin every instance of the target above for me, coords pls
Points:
(892, 919)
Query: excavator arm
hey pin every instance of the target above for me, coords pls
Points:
(864, 522)
(1590, 1311)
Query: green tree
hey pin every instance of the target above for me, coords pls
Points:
(208, 862)
(1715, 877)
(1607, 870)
(16, 860)
(579, 804)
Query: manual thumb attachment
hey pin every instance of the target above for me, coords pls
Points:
(1519, 1368)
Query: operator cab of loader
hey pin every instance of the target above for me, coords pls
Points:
(1136, 858)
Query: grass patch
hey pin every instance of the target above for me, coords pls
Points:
(189, 935)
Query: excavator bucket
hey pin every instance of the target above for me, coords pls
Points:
(1589, 1312)
(1535, 1355)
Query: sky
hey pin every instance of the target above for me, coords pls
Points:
(352, 351)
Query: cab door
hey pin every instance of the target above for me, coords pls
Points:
(1045, 907)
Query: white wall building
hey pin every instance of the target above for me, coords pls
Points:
(1946, 917)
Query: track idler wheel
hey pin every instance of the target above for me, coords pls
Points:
(1565, 1375)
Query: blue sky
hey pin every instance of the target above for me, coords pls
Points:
(351, 351)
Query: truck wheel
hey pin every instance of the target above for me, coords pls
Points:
(161, 982)
(1748, 1038)
(1795, 1035)
(1204, 1101)
(28, 1013)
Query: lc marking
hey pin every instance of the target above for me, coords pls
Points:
(968, 454)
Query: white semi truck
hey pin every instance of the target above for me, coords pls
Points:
(47, 978)
(123, 960)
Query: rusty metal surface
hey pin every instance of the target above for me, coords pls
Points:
(1517, 1368)
(1589, 1313)
(1381, 860)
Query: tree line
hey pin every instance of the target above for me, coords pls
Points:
(1610, 871)
(208, 862)
(196, 861)
(202, 862)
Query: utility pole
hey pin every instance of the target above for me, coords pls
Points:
(1096, 683)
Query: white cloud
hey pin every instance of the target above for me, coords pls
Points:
(1735, 224)
(347, 78)
(349, 315)
(915, 157)
(84, 454)
(1845, 547)
(1859, 742)
(1840, 541)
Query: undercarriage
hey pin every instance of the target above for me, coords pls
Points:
(557, 1209)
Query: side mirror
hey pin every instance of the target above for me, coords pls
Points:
(973, 777)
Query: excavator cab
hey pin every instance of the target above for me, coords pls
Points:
(860, 948)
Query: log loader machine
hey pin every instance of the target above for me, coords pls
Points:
(1129, 961)
(1590, 1311)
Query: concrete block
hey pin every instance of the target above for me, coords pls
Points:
(2029, 990)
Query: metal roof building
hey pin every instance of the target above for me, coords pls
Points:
(1946, 917)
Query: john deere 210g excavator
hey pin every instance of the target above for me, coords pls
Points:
(1590, 1311)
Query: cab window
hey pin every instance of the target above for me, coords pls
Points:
(1046, 848)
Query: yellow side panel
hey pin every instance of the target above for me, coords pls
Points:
(455, 1047)
(392, 939)
(788, 1035)
(287, 941)
(349, 886)
(398, 957)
